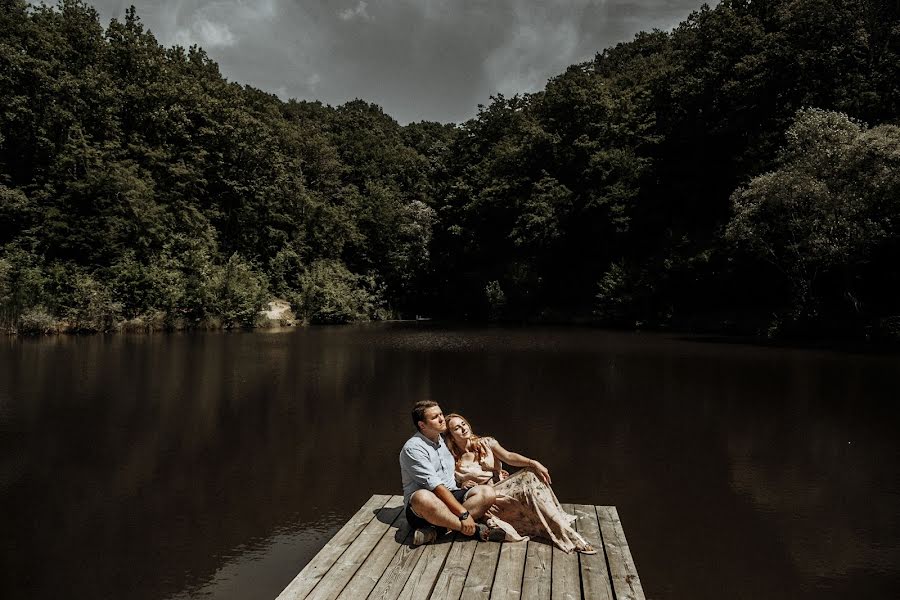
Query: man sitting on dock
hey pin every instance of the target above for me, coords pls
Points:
(430, 492)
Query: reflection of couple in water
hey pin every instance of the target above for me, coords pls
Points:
(454, 480)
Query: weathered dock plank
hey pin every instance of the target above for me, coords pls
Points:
(510, 568)
(622, 571)
(566, 577)
(371, 556)
(333, 582)
(397, 572)
(538, 571)
(480, 578)
(421, 581)
(449, 585)
(594, 575)
(307, 579)
(397, 537)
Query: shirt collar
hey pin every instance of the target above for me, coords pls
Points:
(429, 442)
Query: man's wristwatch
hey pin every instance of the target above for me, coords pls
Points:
(464, 516)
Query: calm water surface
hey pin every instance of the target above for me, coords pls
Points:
(216, 465)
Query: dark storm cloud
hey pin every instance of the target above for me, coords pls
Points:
(418, 59)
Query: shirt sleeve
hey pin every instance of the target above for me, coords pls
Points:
(418, 466)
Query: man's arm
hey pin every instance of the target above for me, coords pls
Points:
(446, 496)
(418, 466)
(466, 526)
(416, 463)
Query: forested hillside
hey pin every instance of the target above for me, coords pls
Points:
(739, 173)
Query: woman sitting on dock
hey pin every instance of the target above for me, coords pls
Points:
(525, 504)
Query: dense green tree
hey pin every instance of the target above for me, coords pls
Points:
(330, 293)
(239, 292)
(92, 306)
(137, 184)
(140, 170)
(822, 219)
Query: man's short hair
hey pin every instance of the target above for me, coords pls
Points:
(418, 411)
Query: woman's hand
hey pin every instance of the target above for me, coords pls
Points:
(541, 471)
(500, 475)
(472, 478)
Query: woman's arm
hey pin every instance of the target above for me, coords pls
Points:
(517, 460)
(466, 478)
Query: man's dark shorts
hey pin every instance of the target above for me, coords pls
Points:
(417, 522)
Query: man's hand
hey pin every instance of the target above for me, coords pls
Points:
(541, 471)
(467, 527)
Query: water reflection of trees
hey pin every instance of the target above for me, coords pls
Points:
(148, 464)
(163, 454)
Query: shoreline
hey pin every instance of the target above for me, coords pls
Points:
(882, 344)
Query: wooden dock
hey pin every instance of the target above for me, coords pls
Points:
(371, 557)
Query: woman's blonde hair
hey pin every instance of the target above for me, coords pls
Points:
(456, 451)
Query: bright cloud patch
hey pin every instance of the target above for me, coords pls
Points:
(207, 34)
(523, 63)
(218, 24)
(359, 12)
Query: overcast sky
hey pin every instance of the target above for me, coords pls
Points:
(418, 59)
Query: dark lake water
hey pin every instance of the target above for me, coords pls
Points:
(216, 465)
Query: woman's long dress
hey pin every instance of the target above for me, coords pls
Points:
(525, 505)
